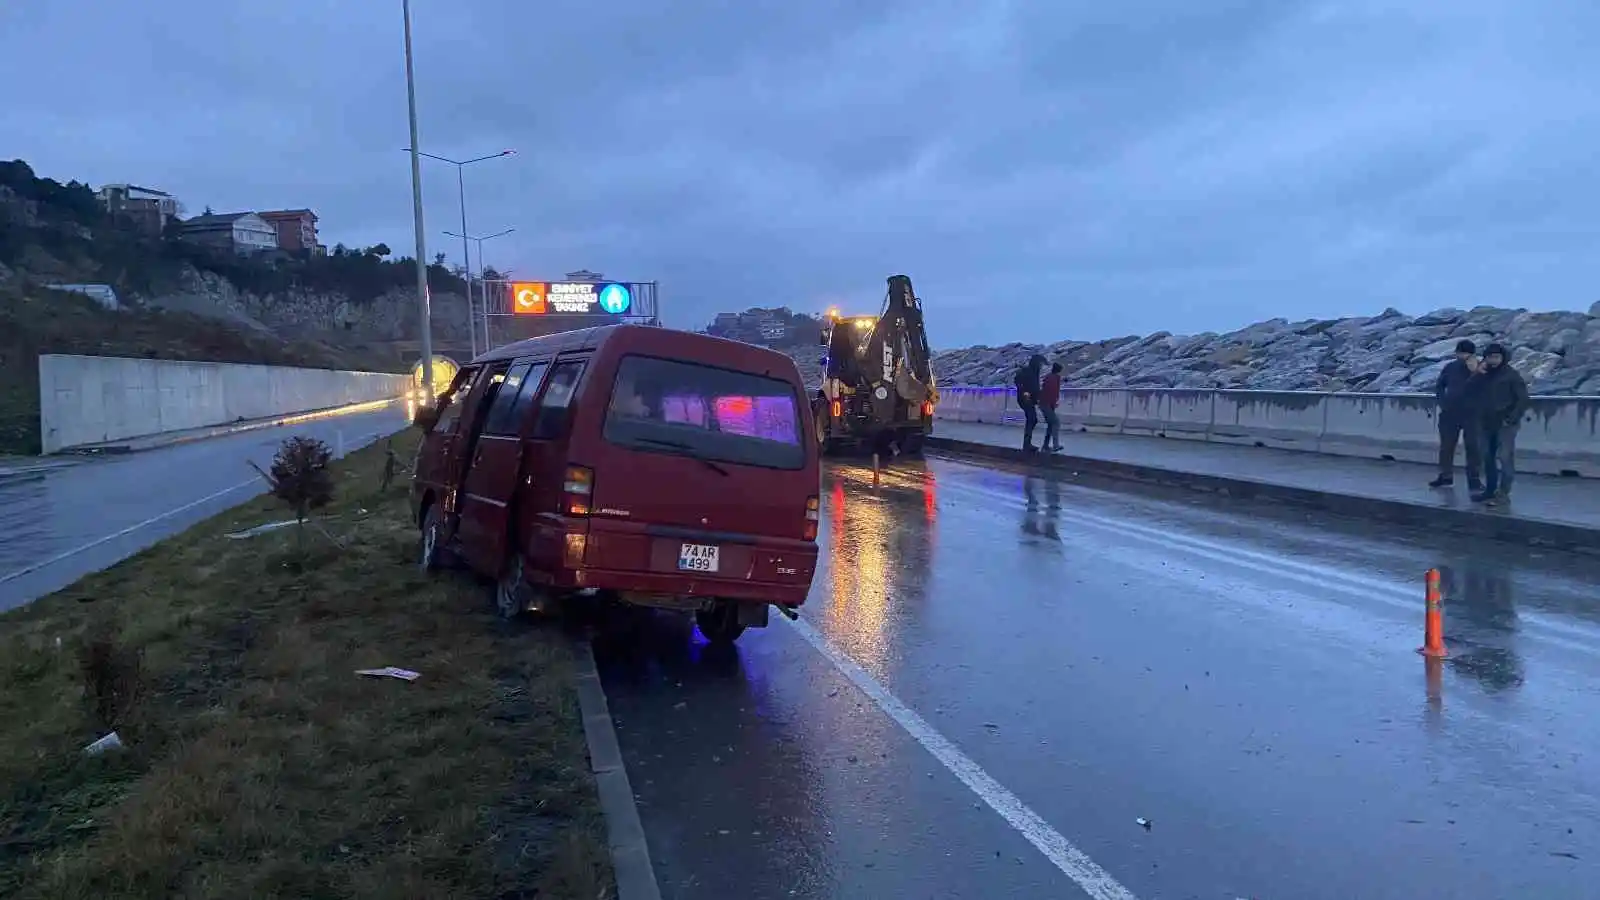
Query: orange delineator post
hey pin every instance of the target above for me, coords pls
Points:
(1433, 622)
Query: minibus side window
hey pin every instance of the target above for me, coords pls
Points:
(499, 420)
(526, 397)
(551, 418)
(453, 401)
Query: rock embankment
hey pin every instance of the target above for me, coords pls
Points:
(1558, 352)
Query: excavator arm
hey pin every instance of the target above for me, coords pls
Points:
(900, 342)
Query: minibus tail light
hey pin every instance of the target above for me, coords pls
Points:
(813, 509)
(577, 486)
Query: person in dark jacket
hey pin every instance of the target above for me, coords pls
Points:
(1049, 396)
(1027, 384)
(1457, 421)
(1500, 396)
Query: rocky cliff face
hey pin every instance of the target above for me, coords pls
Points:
(1559, 353)
(331, 317)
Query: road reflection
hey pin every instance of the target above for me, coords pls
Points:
(878, 549)
(1481, 623)
(1039, 519)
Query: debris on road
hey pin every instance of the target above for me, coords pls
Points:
(259, 529)
(110, 742)
(391, 672)
(1142, 822)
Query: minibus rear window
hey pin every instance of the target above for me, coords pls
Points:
(723, 415)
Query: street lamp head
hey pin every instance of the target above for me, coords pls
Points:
(508, 152)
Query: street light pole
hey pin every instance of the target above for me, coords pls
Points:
(424, 320)
(461, 190)
(466, 261)
(483, 285)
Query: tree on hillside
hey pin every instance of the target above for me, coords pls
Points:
(379, 250)
(438, 259)
(73, 201)
(17, 175)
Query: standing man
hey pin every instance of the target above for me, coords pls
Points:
(1457, 420)
(1049, 396)
(1027, 383)
(1501, 396)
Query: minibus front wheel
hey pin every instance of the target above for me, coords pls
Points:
(433, 555)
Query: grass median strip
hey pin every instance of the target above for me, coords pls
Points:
(256, 762)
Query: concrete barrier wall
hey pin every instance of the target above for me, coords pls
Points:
(1561, 435)
(94, 399)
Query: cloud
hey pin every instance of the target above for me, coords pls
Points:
(1042, 170)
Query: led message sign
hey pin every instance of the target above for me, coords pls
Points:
(570, 298)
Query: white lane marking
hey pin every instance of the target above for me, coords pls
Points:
(124, 532)
(68, 554)
(1074, 863)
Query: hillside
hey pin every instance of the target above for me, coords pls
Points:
(347, 310)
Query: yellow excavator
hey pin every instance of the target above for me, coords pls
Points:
(878, 389)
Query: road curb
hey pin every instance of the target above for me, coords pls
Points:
(630, 853)
(1501, 526)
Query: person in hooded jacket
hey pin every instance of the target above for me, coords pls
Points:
(1500, 396)
(1027, 384)
(1049, 396)
(1457, 421)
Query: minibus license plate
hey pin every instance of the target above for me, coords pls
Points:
(697, 558)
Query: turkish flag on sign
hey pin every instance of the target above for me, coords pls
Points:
(528, 298)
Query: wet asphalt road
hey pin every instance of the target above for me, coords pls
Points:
(1244, 678)
(61, 524)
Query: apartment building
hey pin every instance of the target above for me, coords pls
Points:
(244, 233)
(296, 228)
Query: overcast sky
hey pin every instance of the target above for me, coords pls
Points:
(1042, 169)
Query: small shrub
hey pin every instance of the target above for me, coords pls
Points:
(112, 680)
(300, 475)
(301, 479)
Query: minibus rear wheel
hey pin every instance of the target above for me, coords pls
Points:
(719, 622)
(511, 592)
